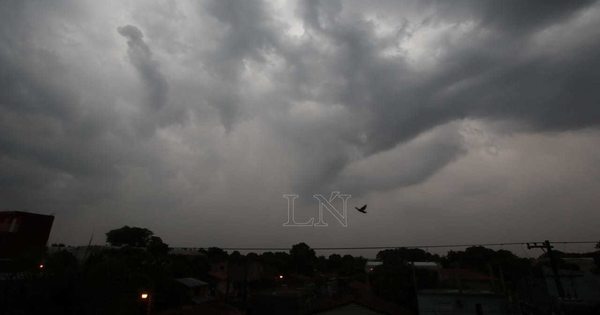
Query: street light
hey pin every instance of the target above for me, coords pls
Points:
(146, 302)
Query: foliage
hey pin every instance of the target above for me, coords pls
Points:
(276, 263)
(156, 246)
(109, 280)
(393, 280)
(403, 255)
(130, 236)
(216, 254)
(304, 258)
(114, 278)
(486, 260)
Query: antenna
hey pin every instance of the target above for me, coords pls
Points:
(91, 238)
(87, 249)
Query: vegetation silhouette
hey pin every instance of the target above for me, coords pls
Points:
(108, 280)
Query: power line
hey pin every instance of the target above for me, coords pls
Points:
(405, 246)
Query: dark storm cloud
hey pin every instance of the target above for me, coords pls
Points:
(243, 101)
(62, 143)
(483, 78)
(390, 101)
(517, 17)
(44, 132)
(141, 58)
(494, 76)
(247, 34)
(406, 165)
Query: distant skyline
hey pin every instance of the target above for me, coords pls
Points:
(456, 122)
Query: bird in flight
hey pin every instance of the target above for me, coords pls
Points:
(362, 209)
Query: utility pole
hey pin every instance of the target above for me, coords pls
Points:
(553, 263)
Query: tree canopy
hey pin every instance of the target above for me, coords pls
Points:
(304, 258)
(130, 236)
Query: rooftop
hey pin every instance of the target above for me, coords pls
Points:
(191, 282)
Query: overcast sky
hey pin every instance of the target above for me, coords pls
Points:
(463, 121)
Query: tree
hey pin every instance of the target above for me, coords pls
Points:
(216, 254)
(276, 263)
(156, 246)
(474, 257)
(303, 258)
(113, 278)
(334, 263)
(393, 281)
(403, 255)
(485, 260)
(351, 265)
(130, 236)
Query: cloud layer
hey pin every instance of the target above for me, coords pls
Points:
(193, 118)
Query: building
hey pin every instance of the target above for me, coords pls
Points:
(455, 302)
(463, 291)
(466, 279)
(586, 264)
(23, 238)
(538, 294)
(232, 281)
(426, 265)
(193, 290)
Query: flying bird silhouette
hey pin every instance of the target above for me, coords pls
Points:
(362, 209)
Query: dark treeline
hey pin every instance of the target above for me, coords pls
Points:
(108, 280)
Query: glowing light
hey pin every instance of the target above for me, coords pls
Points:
(41, 266)
(280, 276)
(144, 296)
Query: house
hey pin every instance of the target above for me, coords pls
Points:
(466, 279)
(193, 290)
(539, 293)
(426, 265)
(587, 264)
(463, 291)
(231, 280)
(459, 302)
(219, 275)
